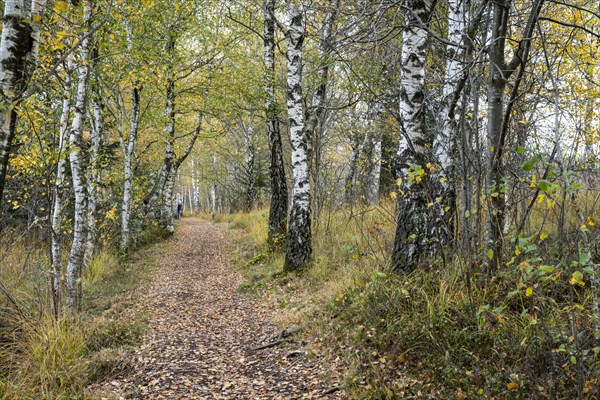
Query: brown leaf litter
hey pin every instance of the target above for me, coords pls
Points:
(208, 341)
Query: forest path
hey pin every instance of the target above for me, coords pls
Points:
(203, 333)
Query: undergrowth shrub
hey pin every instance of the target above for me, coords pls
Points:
(447, 330)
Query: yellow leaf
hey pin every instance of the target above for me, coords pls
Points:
(533, 184)
(61, 6)
(399, 181)
(590, 221)
(543, 236)
(529, 292)
(512, 386)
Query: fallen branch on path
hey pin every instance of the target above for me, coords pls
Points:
(330, 391)
(279, 338)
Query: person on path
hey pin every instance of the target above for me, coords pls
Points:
(179, 210)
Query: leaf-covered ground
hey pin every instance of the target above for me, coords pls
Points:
(208, 341)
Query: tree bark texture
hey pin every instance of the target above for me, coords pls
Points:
(298, 245)
(442, 185)
(278, 209)
(76, 158)
(93, 171)
(21, 29)
(169, 155)
(411, 225)
(128, 168)
(59, 186)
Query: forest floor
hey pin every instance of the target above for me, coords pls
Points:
(206, 340)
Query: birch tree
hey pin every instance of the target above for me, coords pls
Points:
(59, 188)
(278, 208)
(21, 29)
(299, 243)
(442, 182)
(129, 150)
(76, 159)
(169, 152)
(411, 225)
(96, 122)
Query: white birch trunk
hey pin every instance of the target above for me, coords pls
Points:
(278, 207)
(21, 29)
(195, 193)
(213, 200)
(128, 169)
(213, 190)
(93, 172)
(442, 180)
(169, 154)
(375, 169)
(298, 246)
(76, 159)
(411, 224)
(56, 231)
(129, 152)
(167, 212)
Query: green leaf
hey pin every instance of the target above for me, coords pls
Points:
(546, 269)
(490, 254)
(499, 309)
(577, 279)
(573, 360)
(521, 150)
(584, 258)
(589, 270)
(529, 164)
(545, 186)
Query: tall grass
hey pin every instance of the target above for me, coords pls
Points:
(447, 330)
(45, 357)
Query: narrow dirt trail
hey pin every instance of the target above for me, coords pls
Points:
(202, 332)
